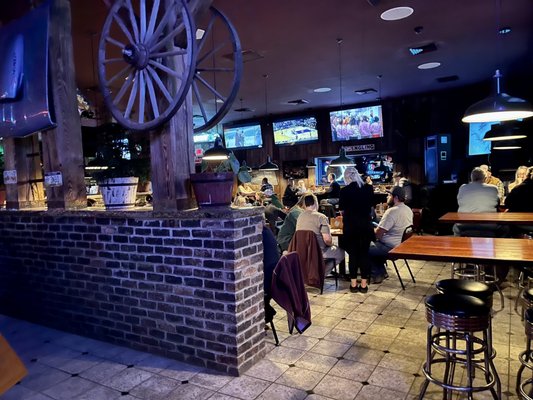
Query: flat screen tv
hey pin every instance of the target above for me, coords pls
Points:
(356, 123)
(243, 136)
(295, 130)
(476, 144)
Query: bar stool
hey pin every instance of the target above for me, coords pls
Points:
(453, 319)
(526, 359)
(526, 301)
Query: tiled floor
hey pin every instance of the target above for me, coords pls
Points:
(359, 347)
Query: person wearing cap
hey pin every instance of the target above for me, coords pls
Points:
(355, 201)
(389, 232)
(400, 180)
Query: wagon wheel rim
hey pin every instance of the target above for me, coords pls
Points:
(137, 65)
(204, 65)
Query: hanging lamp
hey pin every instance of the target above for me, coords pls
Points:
(505, 132)
(311, 163)
(217, 152)
(342, 160)
(507, 145)
(269, 165)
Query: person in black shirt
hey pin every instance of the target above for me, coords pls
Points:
(521, 199)
(290, 198)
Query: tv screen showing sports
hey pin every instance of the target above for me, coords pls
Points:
(295, 130)
(243, 136)
(476, 144)
(356, 123)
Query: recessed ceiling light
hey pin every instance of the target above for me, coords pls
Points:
(322, 90)
(396, 13)
(505, 30)
(199, 33)
(429, 65)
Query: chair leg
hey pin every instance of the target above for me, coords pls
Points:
(274, 332)
(410, 272)
(398, 273)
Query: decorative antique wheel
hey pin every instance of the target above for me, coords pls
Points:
(143, 82)
(218, 70)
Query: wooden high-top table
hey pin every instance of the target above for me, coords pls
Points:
(505, 218)
(466, 249)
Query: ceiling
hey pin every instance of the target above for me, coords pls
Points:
(294, 44)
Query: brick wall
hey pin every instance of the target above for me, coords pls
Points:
(187, 285)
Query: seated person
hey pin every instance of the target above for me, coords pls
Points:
(301, 188)
(478, 196)
(400, 180)
(286, 231)
(290, 197)
(331, 195)
(520, 176)
(311, 220)
(521, 199)
(389, 232)
(492, 180)
(266, 188)
(274, 214)
(245, 190)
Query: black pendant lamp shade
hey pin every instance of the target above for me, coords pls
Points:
(498, 107)
(311, 164)
(269, 166)
(505, 132)
(507, 145)
(342, 160)
(217, 152)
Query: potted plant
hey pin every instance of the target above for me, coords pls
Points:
(213, 186)
(121, 166)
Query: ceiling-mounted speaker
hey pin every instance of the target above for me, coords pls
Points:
(373, 3)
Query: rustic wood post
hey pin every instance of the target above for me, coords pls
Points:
(24, 186)
(62, 146)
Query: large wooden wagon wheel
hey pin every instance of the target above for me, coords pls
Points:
(142, 82)
(218, 70)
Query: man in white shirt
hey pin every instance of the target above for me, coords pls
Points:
(389, 232)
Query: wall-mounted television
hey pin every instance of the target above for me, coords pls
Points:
(476, 144)
(356, 123)
(202, 142)
(243, 136)
(295, 130)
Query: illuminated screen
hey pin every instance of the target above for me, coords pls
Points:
(476, 144)
(296, 130)
(244, 136)
(356, 123)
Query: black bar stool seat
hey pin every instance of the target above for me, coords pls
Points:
(526, 358)
(453, 321)
(471, 288)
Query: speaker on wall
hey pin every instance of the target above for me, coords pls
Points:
(437, 157)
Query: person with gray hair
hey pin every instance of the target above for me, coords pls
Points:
(355, 201)
(476, 196)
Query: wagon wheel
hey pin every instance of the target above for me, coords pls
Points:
(218, 70)
(142, 82)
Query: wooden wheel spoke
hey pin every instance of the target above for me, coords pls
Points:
(133, 95)
(177, 52)
(159, 83)
(133, 22)
(206, 33)
(124, 88)
(215, 69)
(153, 16)
(115, 42)
(142, 96)
(199, 100)
(210, 53)
(119, 74)
(112, 60)
(123, 27)
(160, 27)
(209, 87)
(151, 93)
(166, 69)
(143, 20)
(167, 38)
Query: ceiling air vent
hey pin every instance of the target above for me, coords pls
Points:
(297, 102)
(247, 56)
(361, 92)
(244, 109)
(450, 78)
(415, 51)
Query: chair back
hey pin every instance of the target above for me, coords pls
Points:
(408, 232)
(312, 264)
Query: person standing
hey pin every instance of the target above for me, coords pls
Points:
(355, 202)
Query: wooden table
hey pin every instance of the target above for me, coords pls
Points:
(510, 218)
(466, 249)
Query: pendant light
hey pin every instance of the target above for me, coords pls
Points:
(311, 163)
(505, 132)
(217, 152)
(269, 165)
(498, 107)
(342, 160)
(507, 145)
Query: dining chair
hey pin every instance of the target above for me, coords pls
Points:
(407, 233)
